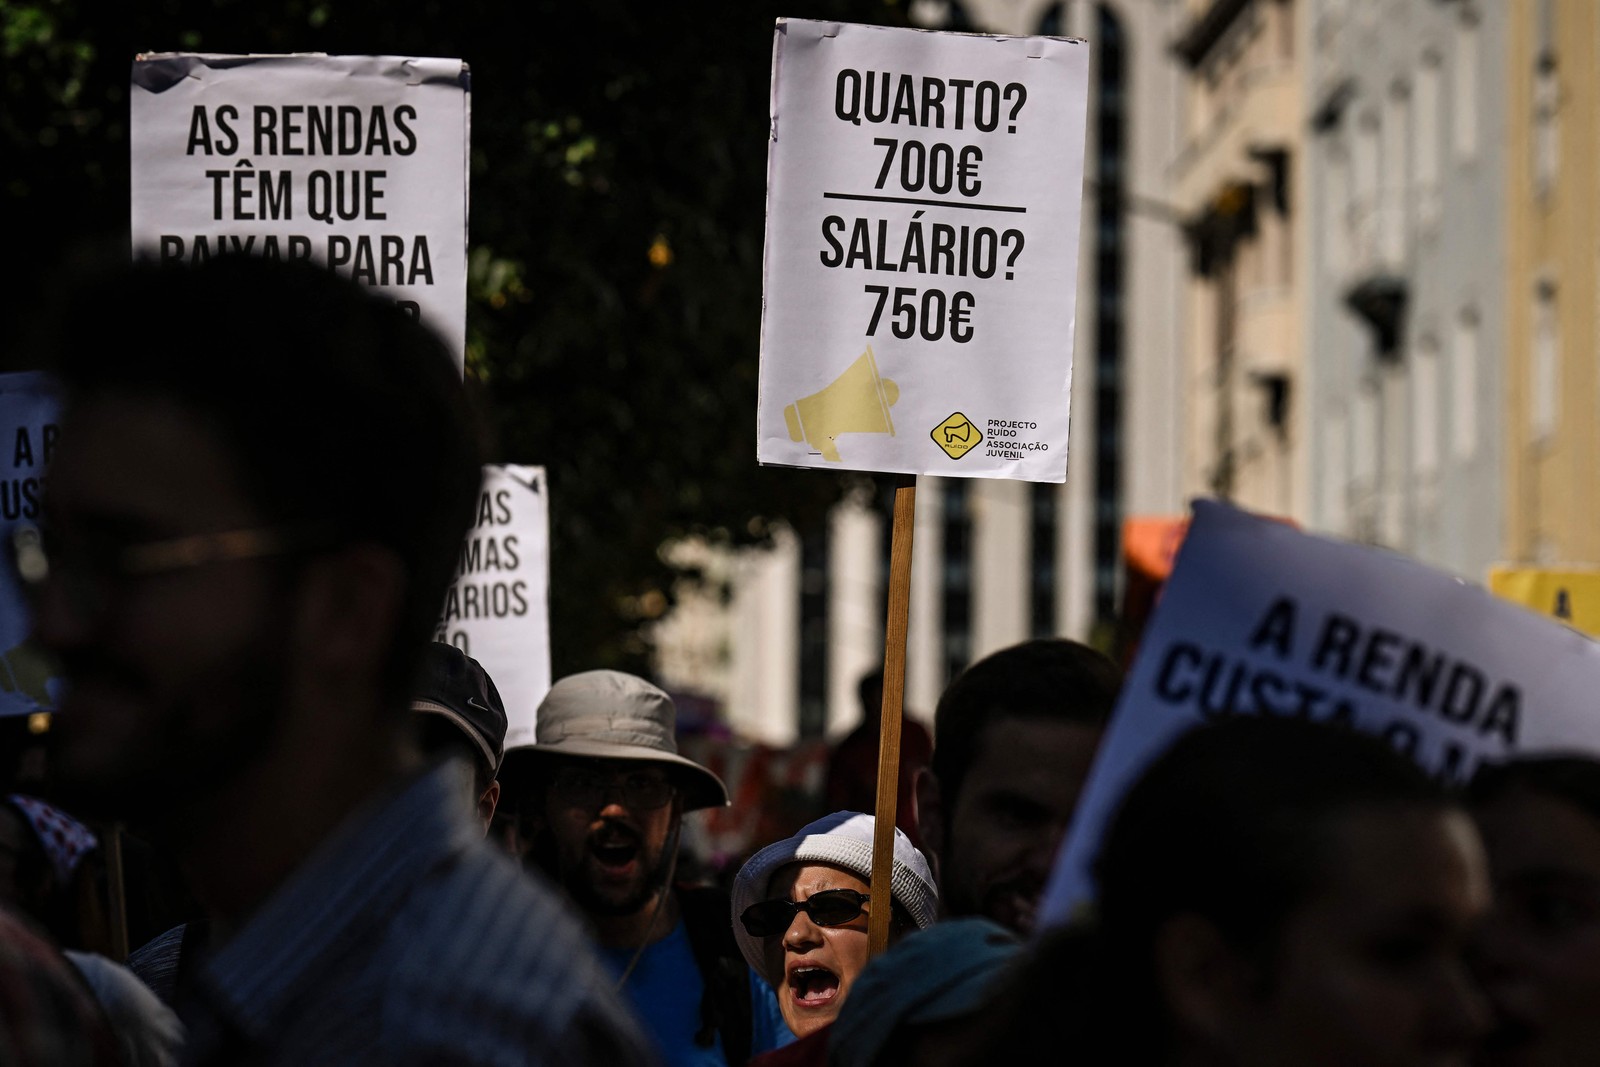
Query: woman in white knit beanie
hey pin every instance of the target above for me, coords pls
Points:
(800, 912)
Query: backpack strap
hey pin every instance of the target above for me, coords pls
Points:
(725, 1003)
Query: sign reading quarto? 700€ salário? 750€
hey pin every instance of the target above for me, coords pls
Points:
(924, 195)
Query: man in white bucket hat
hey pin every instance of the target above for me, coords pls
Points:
(607, 789)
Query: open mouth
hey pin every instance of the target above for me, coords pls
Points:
(614, 855)
(813, 986)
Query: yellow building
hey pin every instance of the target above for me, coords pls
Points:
(1552, 399)
(1237, 182)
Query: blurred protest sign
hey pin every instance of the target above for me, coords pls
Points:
(357, 162)
(1571, 594)
(497, 611)
(921, 251)
(28, 409)
(1260, 618)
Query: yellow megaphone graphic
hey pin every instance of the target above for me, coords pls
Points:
(857, 401)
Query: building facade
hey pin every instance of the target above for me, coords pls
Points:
(1406, 112)
(1552, 390)
(1239, 182)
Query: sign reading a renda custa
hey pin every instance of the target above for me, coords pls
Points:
(1261, 619)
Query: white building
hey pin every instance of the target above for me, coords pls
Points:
(1407, 265)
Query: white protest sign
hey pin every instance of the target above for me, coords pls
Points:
(28, 408)
(1260, 618)
(498, 610)
(356, 162)
(923, 195)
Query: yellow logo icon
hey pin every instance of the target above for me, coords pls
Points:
(858, 401)
(957, 435)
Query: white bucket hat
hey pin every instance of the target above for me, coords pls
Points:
(610, 715)
(843, 839)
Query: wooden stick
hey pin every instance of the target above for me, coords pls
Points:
(894, 688)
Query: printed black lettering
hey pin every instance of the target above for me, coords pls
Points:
(266, 130)
(1504, 716)
(1419, 676)
(407, 144)
(1276, 629)
(1462, 694)
(1338, 640)
(1378, 660)
(933, 102)
(1167, 687)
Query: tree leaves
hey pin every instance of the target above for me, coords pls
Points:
(618, 197)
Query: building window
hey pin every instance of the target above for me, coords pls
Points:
(1425, 410)
(1396, 143)
(1284, 15)
(1364, 201)
(956, 579)
(1546, 125)
(1042, 570)
(814, 632)
(1545, 388)
(1464, 385)
(1364, 439)
(1110, 132)
(1464, 101)
(1425, 143)
(1364, 463)
(1336, 473)
(1336, 209)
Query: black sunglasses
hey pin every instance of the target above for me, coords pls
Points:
(831, 907)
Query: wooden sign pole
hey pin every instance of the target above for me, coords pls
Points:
(894, 686)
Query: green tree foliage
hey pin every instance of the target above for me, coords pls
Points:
(618, 195)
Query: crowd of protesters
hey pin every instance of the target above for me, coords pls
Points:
(239, 576)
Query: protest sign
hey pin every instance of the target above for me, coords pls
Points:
(497, 611)
(921, 251)
(1260, 618)
(28, 409)
(355, 162)
(1571, 594)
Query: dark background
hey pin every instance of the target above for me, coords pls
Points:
(599, 131)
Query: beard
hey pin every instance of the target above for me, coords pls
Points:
(597, 893)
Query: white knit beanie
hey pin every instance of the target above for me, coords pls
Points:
(843, 839)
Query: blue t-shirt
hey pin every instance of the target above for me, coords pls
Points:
(664, 991)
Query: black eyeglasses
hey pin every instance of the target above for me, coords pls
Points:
(831, 907)
(639, 790)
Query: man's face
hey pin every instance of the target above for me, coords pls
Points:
(1373, 968)
(1540, 952)
(1012, 812)
(174, 678)
(610, 821)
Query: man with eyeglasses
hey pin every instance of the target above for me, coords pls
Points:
(263, 478)
(608, 792)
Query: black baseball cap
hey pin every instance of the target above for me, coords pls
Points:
(454, 685)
